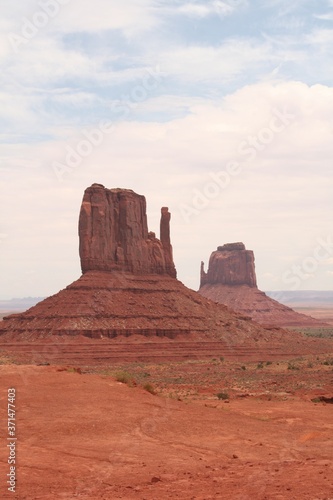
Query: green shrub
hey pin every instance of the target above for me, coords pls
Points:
(292, 366)
(223, 395)
(149, 388)
(260, 364)
(124, 377)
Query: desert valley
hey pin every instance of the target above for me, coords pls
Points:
(129, 385)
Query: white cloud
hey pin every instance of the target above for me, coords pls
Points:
(215, 64)
(320, 38)
(283, 7)
(218, 91)
(325, 17)
(44, 61)
(132, 16)
(267, 206)
(214, 7)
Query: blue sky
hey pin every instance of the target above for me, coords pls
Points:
(221, 110)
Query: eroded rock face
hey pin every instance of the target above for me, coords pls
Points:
(128, 288)
(166, 242)
(231, 280)
(114, 234)
(231, 264)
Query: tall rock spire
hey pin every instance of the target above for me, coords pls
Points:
(166, 242)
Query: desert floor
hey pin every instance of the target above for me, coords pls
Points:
(323, 313)
(159, 430)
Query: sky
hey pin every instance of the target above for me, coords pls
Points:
(220, 110)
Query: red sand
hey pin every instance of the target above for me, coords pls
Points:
(88, 436)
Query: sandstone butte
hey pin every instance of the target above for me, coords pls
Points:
(231, 280)
(129, 296)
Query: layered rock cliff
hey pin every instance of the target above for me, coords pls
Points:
(231, 264)
(231, 280)
(114, 235)
(129, 284)
(128, 289)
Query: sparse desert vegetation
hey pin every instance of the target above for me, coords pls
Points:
(211, 429)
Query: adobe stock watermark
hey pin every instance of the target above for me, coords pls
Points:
(94, 137)
(309, 265)
(48, 9)
(247, 149)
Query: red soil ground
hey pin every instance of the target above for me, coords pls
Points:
(83, 434)
(88, 436)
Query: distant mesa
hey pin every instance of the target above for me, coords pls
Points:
(128, 285)
(231, 264)
(231, 280)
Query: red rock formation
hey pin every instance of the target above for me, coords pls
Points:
(114, 234)
(231, 264)
(231, 280)
(121, 304)
(165, 240)
(128, 289)
(128, 285)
